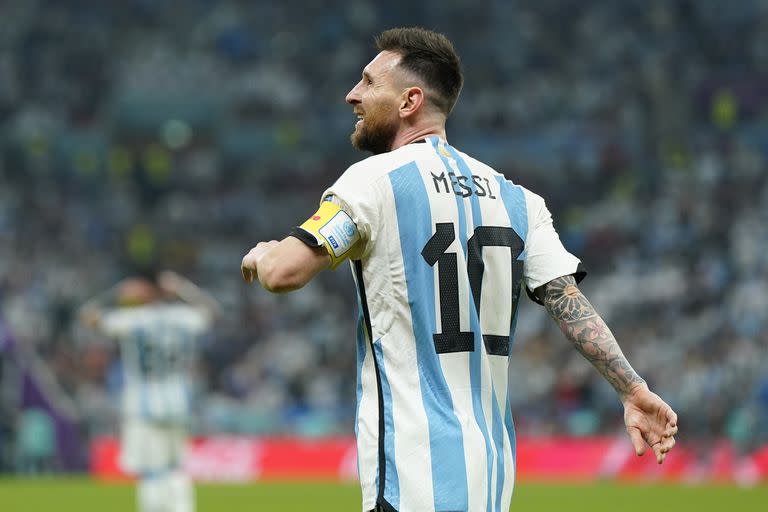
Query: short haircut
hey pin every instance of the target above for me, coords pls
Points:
(431, 57)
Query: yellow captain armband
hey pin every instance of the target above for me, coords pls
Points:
(334, 229)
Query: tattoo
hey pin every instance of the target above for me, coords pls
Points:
(588, 332)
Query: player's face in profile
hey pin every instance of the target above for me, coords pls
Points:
(375, 100)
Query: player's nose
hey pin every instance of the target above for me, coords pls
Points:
(353, 96)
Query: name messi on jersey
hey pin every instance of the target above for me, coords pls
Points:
(462, 185)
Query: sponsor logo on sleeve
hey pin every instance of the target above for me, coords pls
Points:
(340, 232)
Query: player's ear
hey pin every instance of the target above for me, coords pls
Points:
(411, 101)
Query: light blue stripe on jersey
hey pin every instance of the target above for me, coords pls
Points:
(475, 358)
(391, 480)
(414, 218)
(511, 429)
(517, 210)
(514, 201)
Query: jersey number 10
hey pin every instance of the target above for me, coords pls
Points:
(452, 338)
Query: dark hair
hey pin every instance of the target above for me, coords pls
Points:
(148, 271)
(431, 57)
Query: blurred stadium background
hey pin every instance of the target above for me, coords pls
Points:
(184, 131)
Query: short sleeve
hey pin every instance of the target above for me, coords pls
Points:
(190, 318)
(545, 257)
(356, 193)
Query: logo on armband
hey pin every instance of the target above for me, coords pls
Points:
(340, 232)
(335, 228)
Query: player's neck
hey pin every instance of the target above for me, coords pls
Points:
(417, 133)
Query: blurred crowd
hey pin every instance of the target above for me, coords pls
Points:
(184, 132)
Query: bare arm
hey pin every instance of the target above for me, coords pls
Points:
(283, 266)
(175, 284)
(589, 334)
(649, 420)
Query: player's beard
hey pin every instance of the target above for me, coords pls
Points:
(376, 133)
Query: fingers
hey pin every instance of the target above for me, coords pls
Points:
(246, 274)
(249, 265)
(672, 422)
(660, 455)
(667, 443)
(662, 448)
(637, 441)
(247, 270)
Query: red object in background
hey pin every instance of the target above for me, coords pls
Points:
(242, 459)
(105, 452)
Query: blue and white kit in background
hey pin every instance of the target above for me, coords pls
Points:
(440, 247)
(158, 343)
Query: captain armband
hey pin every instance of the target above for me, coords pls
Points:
(332, 228)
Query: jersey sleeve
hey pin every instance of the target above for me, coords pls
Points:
(190, 318)
(345, 222)
(545, 256)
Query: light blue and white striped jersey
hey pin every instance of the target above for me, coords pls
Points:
(158, 344)
(445, 243)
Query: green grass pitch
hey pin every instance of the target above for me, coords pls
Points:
(85, 495)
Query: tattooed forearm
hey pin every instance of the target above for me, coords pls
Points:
(587, 331)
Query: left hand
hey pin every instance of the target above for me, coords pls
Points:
(250, 264)
(169, 281)
(649, 420)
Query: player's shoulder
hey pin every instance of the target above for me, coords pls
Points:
(181, 310)
(367, 172)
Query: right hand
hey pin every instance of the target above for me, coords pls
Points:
(249, 267)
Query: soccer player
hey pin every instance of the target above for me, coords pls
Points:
(157, 323)
(439, 245)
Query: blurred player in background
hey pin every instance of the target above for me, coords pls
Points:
(157, 321)
(440, 244)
